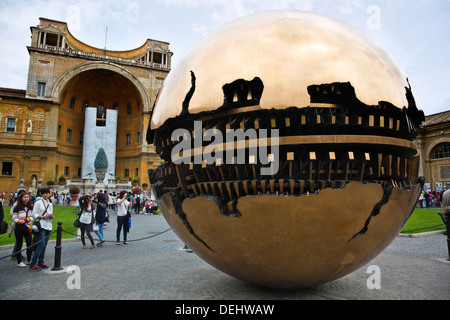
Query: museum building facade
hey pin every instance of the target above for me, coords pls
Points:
(433, 146)
(76, 96)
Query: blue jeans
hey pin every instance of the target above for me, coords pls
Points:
(99, 232)
(39, 253)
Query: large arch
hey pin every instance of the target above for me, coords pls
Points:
(105, 87)
(59, 86)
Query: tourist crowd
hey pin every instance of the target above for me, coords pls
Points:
(32, 216)
(430, 199)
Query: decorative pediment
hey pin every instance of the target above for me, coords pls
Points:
(52, 29)
(157, 48)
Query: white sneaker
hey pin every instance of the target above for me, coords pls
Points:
(21, 265)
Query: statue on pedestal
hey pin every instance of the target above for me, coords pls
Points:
(100, 165)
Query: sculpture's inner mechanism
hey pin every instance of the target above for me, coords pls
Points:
(337, 139)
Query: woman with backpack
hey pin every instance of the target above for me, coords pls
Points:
(100, 216)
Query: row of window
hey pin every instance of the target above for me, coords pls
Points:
(41, 87)
(11, 127)
(100, 107)
(69, 135)
(7, 169)
(439, 152)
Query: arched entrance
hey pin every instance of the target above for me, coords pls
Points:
(97, 90)
(69, 75)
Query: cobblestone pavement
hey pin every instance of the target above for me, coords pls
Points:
(157, 268)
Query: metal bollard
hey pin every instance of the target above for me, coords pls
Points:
(445, 216)
(447, 224)
(58, 247)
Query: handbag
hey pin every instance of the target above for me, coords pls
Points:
(37, 223)
(77, 222)
(3, 227)
(37, 226)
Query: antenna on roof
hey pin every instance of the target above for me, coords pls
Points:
(106, 37)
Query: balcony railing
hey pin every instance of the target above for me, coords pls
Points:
(101, 56)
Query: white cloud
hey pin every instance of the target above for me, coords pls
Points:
(201, 29)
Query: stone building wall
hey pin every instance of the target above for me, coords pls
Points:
(39, 148)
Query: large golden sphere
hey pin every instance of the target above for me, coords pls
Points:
(341, 171)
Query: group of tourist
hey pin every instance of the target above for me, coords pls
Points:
(31, 219)
(32, 216)
(93, 214)
(92, 217)
(430, 199)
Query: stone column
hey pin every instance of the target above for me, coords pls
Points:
(44, 170)
(26, 167)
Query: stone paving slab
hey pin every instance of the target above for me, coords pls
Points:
(158, 269)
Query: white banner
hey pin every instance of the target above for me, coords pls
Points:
(96, 137)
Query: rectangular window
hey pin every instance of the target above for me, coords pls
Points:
(84, 106)
(445, 173)
(136, 173)
(79, 172)
(127, 173)
(157, 57)
(66, 171)
(129, 109)
(138, 137)
(11, 125)
(81, 137)
(41, 89)
(69, 135)
(7, 168)
(72, 103)
(127, 139)
(101, 111)
(59, 132)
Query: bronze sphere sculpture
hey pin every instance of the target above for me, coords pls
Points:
(319, 173)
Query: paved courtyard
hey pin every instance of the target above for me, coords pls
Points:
(158, 269)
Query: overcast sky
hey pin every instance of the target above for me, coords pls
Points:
(416, 33)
